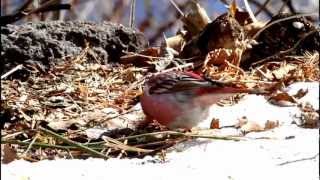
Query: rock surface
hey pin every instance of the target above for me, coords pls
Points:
(44, 43)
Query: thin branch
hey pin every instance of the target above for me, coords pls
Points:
(31, 143)
(70, 142)
(262, 7)
(42, 145)
(177, 8)
(166, 133)
(18, 67)
(281, 20)
(286, 51)
(116, 144)
(290, 6)
(248, 8)
(298, 160)
(132, 13)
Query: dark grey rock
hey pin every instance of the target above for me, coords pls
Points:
(46, 43)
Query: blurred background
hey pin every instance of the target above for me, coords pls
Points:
(153, 17)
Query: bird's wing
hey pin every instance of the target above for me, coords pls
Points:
(175, 82)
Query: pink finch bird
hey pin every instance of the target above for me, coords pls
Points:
(182, 99)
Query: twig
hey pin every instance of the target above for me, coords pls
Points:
(178, 68)
(18, 67)
(43, 145)
(167, 133)
(298, 160)
(282, 6)
(248, 8)
(262, 7)
(165, 146)
(132, 13)
(290, 6)
(30, 145)
(119, 115)
(70, 142)
(13, 135)
(299, 41)
(177, 8)
(286, 51)
(50, 5)
(113, 143)
(281, 20)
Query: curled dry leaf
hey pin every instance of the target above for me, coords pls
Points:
(301, 93)
(219, 57)
(214, 124)
(283, 99)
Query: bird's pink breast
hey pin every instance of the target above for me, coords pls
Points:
(161, 107)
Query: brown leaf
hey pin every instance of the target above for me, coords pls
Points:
(8, 153)
(215, 124)
(283, 99)
(301, 93)
(219, 57)
(271, 124)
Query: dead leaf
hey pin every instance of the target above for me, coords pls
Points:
(283, 99)
(214, 124)
(271, 124)
(301, 93)
(8, 153)
(219, 57)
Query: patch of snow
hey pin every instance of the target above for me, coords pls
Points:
(256, 108)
